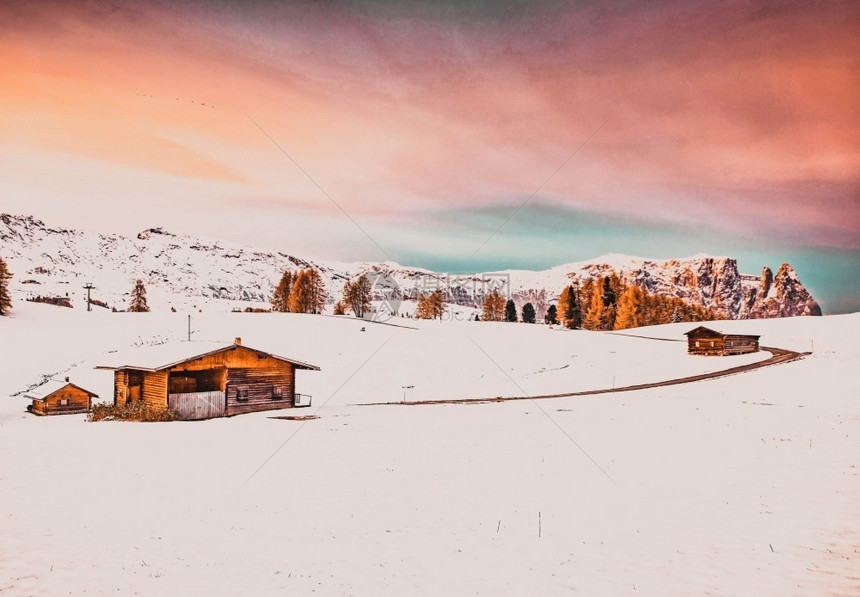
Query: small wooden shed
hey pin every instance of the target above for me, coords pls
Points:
(60, 398)
(203, 380)
(705, 341)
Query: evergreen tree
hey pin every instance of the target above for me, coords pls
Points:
(281, 298)
(528, 313)
(339, 308)
(676, 315)
(569, 311)
(299, 293)
(510, 311)
(421, 310)
(551, 315)
(137, 302)
(5, 299)
(630, 309)
(494, 306)
(357, 295)
(308, 292)
(318, 291)
(430, 307)
(436, 304)
(586, 293)
(609, 286)
(594, 314)
(610, 302)
(346, 295)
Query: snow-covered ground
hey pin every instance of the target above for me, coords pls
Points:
(744, 485)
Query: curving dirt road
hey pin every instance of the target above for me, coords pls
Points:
(779, 355)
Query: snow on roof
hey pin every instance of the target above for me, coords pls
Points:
(164, 356)
(49, 387)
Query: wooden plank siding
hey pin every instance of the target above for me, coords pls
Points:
(120, 384)
(704, 341)
(259, 384)
(149, 386)
(737, 344)
(705, 346)
(248, 380)
(78, 401)
(193, 406)
(154, 392)
(236, 357)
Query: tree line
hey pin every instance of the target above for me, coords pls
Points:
(608, 303)
(303, 292)
(603, 303)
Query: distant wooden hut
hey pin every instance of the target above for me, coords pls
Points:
(202, 380)
(60, 398)
(705, 341)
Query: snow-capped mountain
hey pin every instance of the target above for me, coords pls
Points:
(712, 282)
(180, 270)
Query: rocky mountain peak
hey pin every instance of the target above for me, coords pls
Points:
(782, 295)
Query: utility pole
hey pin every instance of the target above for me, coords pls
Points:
(189, 327)
(89, 287)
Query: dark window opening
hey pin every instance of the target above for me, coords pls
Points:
(187, 382)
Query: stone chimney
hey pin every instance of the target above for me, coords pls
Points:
(237, 341)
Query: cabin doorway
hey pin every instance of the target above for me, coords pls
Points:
(135, 385)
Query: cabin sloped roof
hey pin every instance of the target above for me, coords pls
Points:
(704, 332)
(165, 356)
(50, 387)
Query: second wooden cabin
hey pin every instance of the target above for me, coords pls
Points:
(205, 380)
(57, 397)
(705, 341)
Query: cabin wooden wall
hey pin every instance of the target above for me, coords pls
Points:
(741, 344)
(79, 402)
(154, 391)
(260, 383)
(708, 345)
(149, 386)
(120, 387)
(722, 345)
(237, 357)
(231, 369)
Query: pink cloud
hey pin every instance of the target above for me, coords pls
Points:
(716, 113)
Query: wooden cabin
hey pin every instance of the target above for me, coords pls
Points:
(202, 380)
(60, 398)
(705, 341)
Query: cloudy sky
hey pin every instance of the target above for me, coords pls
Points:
(460, 136)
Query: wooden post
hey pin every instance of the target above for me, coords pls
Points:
(89, 287)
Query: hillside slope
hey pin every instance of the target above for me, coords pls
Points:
(178, 269)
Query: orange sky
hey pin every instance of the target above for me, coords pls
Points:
(739, 117)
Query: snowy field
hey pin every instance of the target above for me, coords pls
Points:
(744, 485)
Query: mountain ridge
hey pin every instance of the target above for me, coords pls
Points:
(182, 267)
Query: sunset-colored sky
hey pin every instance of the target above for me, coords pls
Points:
(373, 130)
